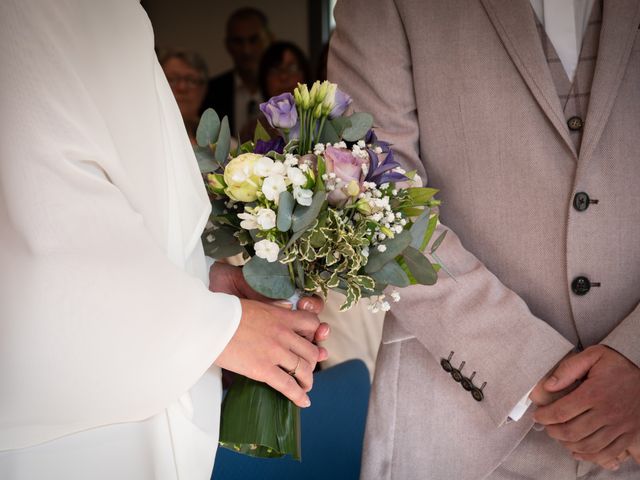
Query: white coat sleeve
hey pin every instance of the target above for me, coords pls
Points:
(97, 325)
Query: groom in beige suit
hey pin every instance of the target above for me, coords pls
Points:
(539, 170)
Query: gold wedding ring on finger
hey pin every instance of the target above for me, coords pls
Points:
(293, 372)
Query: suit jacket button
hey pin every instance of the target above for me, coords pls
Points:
(581, 285)
(466, 384)
(575, 123)
(477, 394)
(581, 201)
(446, 365)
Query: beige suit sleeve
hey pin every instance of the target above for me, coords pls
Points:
(97, 325)
(474, 315)
(625, 338)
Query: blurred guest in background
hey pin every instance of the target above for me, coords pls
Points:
(282, 67)
(235, 93)
(187, 75)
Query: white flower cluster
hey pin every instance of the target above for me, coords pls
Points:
(374, 205)
(278, 176)
(267, 249)
(380, 303)
(258, 218)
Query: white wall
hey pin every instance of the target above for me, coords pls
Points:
(200, 25)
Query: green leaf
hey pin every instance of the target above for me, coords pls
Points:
(329, 134)
(340, 124)
(392, 274)
(321, 168)
(419, 229)
(395, 246)
(361, 123)
(421, 195)
(271, 279)
(221, 243)
(420, 267)
(206, 160)
(224, 142)
(286, 203)
(438, 241)
(303, 217)
(208, 128)
(433, 223)
(258, 421)
(260, 133)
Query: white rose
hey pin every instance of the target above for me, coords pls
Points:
(303, 196)
(248, 221)
(267, 249)
(273, 186)
(265, 218)
(263, 167)
(296, 176)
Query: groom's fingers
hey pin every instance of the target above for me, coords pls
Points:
(572, 369)
(565, 408)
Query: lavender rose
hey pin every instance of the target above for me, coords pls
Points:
(281, 111)
(348, 174)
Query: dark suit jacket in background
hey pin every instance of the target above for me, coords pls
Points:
(220, 96)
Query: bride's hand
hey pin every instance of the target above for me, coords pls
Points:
(270, 346)
(225, 278)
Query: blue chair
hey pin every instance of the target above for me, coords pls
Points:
(332, 433)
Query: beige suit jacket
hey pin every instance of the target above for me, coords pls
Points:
(463, 91)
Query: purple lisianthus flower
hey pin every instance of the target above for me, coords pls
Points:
(281, 111)
(348, 174)
(340, 105)
(273, 145)
(384, 170)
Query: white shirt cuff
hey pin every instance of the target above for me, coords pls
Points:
(519, 410)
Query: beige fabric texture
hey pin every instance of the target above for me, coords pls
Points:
(464, 92)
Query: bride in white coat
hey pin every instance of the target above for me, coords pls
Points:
(108, 333)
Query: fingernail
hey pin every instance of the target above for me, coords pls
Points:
(551, 381)
(282, 304)
(615, 467)
(307, 403)
(538, 428)
(307, 306)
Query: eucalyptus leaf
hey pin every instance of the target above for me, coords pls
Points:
(208, 128)
(206, 160)
(394, 247)
(286, 203)
(391, 274)
(419, 229)
(341, 124)
(271, 279)
(329, 134)
(224, 142)
(420, 267)
(361, 123)
(303, 216)
(221, 243)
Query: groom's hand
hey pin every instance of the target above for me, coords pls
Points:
(271, 346)
(600, 419)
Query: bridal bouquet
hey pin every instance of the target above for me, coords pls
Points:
(318, 204)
